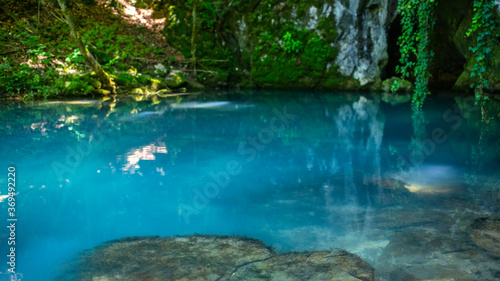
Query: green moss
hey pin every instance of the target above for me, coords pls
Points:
(275, 66)
(137, 91)
(175, 80)
(493, 75)
(404, 85)
(156, 84)
(125, 80)
(339, 83)
(271, 49)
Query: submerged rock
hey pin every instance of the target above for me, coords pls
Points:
(336, 265)
(209, 257)
(431, 254)
(486, 234)
(390, 192)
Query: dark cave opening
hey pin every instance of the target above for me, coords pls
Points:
(393, 34)
(448, 63)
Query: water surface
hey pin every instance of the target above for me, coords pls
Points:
(301, 171)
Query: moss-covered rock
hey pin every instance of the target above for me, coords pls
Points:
(163, 92)
(492, 74)
(102, 92)
(405, 86)
(175, 79)
(125, 80)
(464, 44)
(137, 91)
(156, 84)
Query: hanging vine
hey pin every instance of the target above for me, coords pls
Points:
(417, 22)
(483, 26)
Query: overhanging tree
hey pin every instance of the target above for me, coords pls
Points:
(108, 84)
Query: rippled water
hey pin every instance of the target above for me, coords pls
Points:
(301, 171)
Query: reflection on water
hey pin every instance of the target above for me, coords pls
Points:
(143, 153)
(347, 171)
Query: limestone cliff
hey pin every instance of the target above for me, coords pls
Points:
(323, 44)
(315, 44)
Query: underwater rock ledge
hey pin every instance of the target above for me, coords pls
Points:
(209, 257)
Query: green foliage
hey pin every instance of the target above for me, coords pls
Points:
(31, 82)
(301, 55)
(209, 14)
(127, 80)
(290, 45)
(43, 60)
(75, 57)
(27, 81)
(265, 49)
(417, 21)
(483, 25)
(75, 85)
(395, 86)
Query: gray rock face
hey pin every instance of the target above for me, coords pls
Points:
(209, 257)
(362, 39)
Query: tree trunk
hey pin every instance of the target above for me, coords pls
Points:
(193, 38)
(108, 84)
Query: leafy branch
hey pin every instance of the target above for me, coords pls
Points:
(417, 22)
(483, 23)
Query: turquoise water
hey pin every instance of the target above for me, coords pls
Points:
(301, 171)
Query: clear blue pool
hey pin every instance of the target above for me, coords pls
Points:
(300, 171)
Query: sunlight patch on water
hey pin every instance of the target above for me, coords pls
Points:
(428, 189)
(144, 153)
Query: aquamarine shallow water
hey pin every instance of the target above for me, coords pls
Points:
(301, 171)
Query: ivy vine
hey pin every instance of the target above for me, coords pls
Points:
(483, 23)
(417, 22)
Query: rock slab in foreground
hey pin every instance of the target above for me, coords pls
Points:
(209, 257)
(485, 233)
